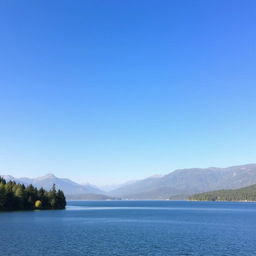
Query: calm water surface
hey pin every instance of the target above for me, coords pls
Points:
(132, 228)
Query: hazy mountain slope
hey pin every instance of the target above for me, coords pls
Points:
(138, 188)
(90, 197)
(68, 186)
(189, 181)
(108, 188)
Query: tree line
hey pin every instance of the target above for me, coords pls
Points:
(241, 194)
(15, 196)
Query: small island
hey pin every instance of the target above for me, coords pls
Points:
(245, 194)
(17, 197)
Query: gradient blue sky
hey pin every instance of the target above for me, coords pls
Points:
(108, 91)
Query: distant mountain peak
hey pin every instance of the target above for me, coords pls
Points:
(47, 176)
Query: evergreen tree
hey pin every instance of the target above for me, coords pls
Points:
(15, 196)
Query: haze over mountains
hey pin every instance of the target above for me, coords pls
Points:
(177, 184)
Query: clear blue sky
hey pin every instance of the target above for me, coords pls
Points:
(107, 91)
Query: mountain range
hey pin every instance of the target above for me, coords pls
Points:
(179, 184)
(68, 186)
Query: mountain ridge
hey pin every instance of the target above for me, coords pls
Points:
(180, 183)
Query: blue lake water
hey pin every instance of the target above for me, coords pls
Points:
(132, 228)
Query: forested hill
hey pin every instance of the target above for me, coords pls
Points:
(14, 196)
(242, 194)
